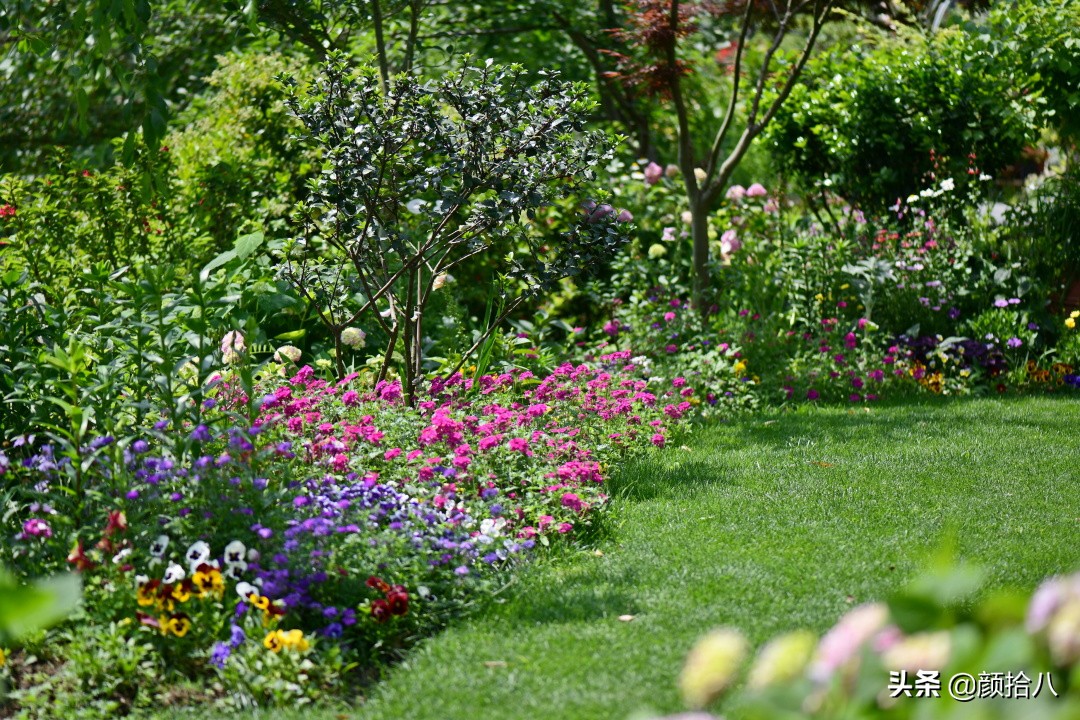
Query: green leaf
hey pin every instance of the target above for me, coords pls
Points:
(25, 609)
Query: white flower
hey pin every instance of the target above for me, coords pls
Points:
(173, 574)
(984, 177)
(141, 580)
(253, 555)
(235, 571)
(948, 185)
(119, 557)
(234, 552)
(288, 352)
(158, 547)
(353, 337)
(492, 528)
(246, 589)
(700, 175)
(197, 554)
(439, 281)
(912, 198)
(232, 342)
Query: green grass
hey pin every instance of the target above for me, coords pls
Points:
(769, 524)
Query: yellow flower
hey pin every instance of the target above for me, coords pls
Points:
(178, 625)
(1074, 314)
(712, 667)
(209, 581)
(260, 601)
(145, 595)
(1070, 322)
(274, 641)
(740, 367)
(295, 640)
(3, 658)
(783, 659)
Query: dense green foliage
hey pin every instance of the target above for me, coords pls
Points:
(321, 324)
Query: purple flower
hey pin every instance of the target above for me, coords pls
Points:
(1014, 342)
(1001, 302)
(220, 654)
(200, 434)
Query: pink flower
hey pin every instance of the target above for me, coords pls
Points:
(565, 528)
(351, 397)
(736, 192)
(658, 440)
(756, 190)
(669, 316)
(812, 394)
(850, 341)
(729, 242)
(572, 501)
(518, 444)
(653, 173)
(543, 521)
(861, 324)
(678, 382)
(36, 527)
(340, 462)
(391, 453)
(671, 349)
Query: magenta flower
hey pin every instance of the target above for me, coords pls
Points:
(36, 527)
(812, 394)
(658, 440)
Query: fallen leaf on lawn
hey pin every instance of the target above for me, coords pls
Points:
(849, 599)
(495, 663)
(598, 553)
(821, 464)
(685, 447)
(626, 618)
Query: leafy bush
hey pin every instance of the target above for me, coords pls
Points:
(419, 178)
(870, 119)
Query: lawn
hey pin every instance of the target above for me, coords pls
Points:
(768, 524)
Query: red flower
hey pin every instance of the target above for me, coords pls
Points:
(378, 584)
(380, 610)
(398, 600)
(78, 558)
(117, 523)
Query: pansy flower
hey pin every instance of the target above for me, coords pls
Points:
(173, 574)
(159, 546)
(235, 552)
(198, 553)
(208, 580)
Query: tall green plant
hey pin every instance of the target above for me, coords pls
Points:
(420, 177)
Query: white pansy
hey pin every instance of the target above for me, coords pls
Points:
(159, 546)
(173, 574)
(234, 552)
(245, 590)
(198, 553)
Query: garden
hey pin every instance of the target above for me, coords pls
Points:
(638, 360)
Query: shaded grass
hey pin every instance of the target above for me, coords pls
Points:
(770, 524)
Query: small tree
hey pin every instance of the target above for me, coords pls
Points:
(655, 30)
(419, 177)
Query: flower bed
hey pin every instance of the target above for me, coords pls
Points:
(334, 525)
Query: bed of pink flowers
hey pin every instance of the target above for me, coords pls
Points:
(311, 523)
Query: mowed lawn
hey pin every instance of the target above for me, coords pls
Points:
(768, 524)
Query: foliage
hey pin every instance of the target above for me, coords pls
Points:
(870, 119)
(421, 177)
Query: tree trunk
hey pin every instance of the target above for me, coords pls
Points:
(699, 230)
